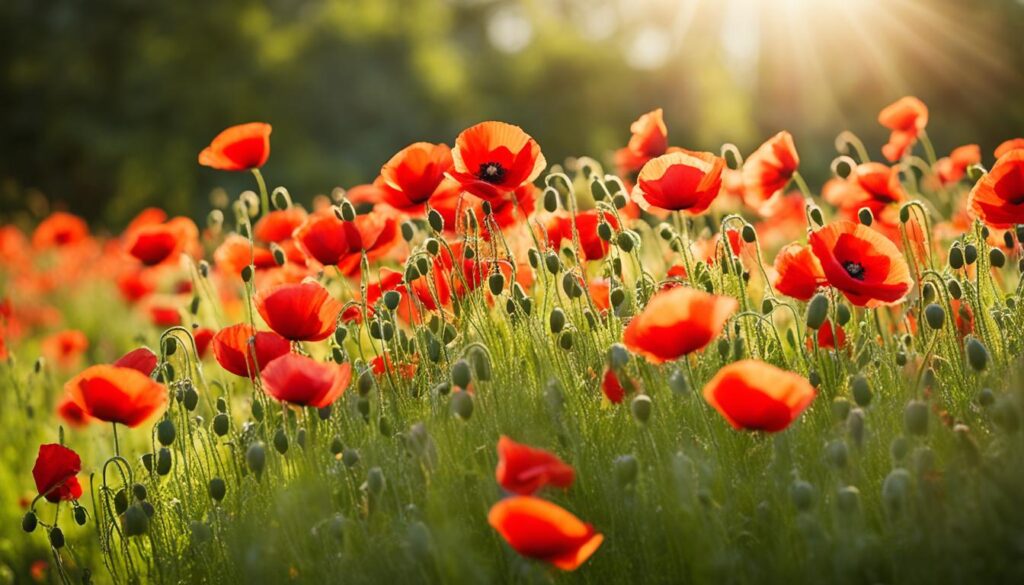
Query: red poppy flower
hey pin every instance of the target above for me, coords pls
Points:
(141, 360)
(798, 272)
(158, 243)
(414, 174)
(234, 353)
(163, 315)
(611, 387)
(329, 240)
(59, 229)
(65, 347)
(299, 312)
(829, 336)
(768, 170)
(560, 229)
(1007, 146)
(756, 396)
(382, 364)
(676, 322)
(303, 381)
(998, 197)
(524, 470)
(278, 226)
(600, 293)
(862, 264)
(55, 470)
(135, 284)
(493, 159)
(202, 336)
(952, 168)
(906, 118)
(680, 181)
(238, 148)
(71, 413)
(541, 530)
(117, 394)
(649, 140)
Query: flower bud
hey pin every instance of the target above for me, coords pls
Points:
(855, 425)
(462, 404)
(861, 390)
(915, 417)
(626, 469)
(436, 220)
(843, 314)
(550, 199)
(996, 257)
(848, 499)
(895, 490)
(366, 382)
(217, 489)
(552, 263)
(350, 457)
(604, 231)
(139, 491)
(256, 458)
(935, 316)
(837, 454)
(461, 374)
(480, 361)
(867, 218)
(163, 461)
(565, 340)
(677, 382)
(970, 254)
(977, 355)
(641, 407)
(408, 231)
(281, 441)
(817, 311)
(625, 241)
(954, 289)
(840, 408)
(986, 397)
(165, 432)
(375, 482)
(556, 320)
(801, 493)
(29, 521)
(190, 398)
(247, 273)
(618, 355)
(748, 234)
(135, 522)
(496, 282)
(57, 537)
(898, 449)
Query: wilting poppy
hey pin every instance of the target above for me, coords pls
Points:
(303, 381)
(159, 243)
(329, 240)
(677, 321)
(278, 225)
(59, 229)
(952, 168)
(906, 118)
(798, 272)
(234, 353)
(238, 148)
(1007, 146)
(493, 159)
(117, 394)
(755, 396)
(541, 530)
(768, 170)
(65, 347)
(141, 359)
(299, 312)
(414, 174)
(680, 181)
(649, 140)
(998, 197)
(524, 470)
(560, 229)
(55, 470)
(861, 263)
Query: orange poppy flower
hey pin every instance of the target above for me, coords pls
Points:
(906, 118)
(798, 272)
(117, 394)
(414, 174)
(872, 185)
(59, 229)
(244, 352)
(952, 168)
(238, 148)
(676, 322)
(55, 473)
(1007, 146)
(541, 530)
(998, 197)
(600, 293)
(756, 396)
(862, 264)
(649, 140)
(523, 469)
(159, 243)
(65, 347)
(299, 312)
(236, 252)
(329, 240)
(279, 225)
(493, 159)
(680, 181)
(560, 229)
(769, 169)
(297, 379)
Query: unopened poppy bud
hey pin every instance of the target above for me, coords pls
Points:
(986, 397)
(604, 231)
(816, 216)
(278, 254)
(571, 286)
(391, 299)
(139, 491)
(1008, 239)
(57, 537)
(618, 356)
(346, 211)
(135, 522)
(281, 441)
(895, 489)
(956, 257)
(837, 454)
(901, 358)
(163, 461)
(170, 346)
(935, 316)
(739, 348)
(79, 514)
(256, 458)
(954, 289)
(814, 378)
(977, 355)
(432, 246)
(565, 340)
(190, 398)
(817, 311)
(767, 305)
(641, 407)
(723, 347)
(366, 382)
(120, 501)
(462, 404)
(843, 314)
(840, 408)
(350, 457)
(898, 449)
(556, 320)
(375, 482)
(866, 217)
(861, 390)
(550, 199)
(617, 296)
(247, 273)
(748, 233)
(552, 263)
(626, 470)
(848, 499)
(666, 232)
(39, 364)
(677, 382)
(448, 333)
(996, 258)
(855, 425)
(461, 374)
(597, 189)
(496, 282)
(904, 214)
(970, 254)
(480, 360)
(165, 432)
(625, 242)
(29, 521)
(147, 462)
(408, 231)
(620, 200)
(257, 410)
(217, 489)
(801, 493)
(915, 417)
(411, 273)
(975, 172)
(193, 306)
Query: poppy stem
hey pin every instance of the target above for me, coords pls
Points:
(117, 446)
(264, 196)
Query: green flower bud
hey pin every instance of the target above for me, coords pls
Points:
(366, 382)
(436, 220)
(970, 254)
(956, 257)
(408, 231)
(461, 374)
(996, 257)
(257, 410)
(191, 398)
(904, 214)
(556, 320)
(837, 453)
(496, 282)
(550, 199)
(375, 482)
(247, 273)
(135, 522)
(895, 490)
(165, 432)
(565, 340)
(139, 491)
(641, 407)
(986, 397)
(915, 417)
(481, 362)
(935, 316)
(462, 404)
(855, 425)
(817, 311)
(163, 461)
(867, 218)
(861, 390)
(281, 441)
(432, 246)
(217, 489)
(56, 537)
(221, 422)
(552, 263)
(625, 242)
(954, 289)
(848, 499)
(843, 314)
(571, 286)
(626, 469)
(350, 457)
(677, 382)
(391, 299)
(977, 355)
(801, 493)
(840, 408)
(604, 231)
(79, 514)
(256, 458)
(29, 521)
(898, 449)
(348, 211)
(748, 233)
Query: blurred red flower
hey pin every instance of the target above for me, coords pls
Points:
(906, 118)
(677, 321)
(649, 140)
(769, 169)
(238, 148)
(541, 530)
(303, 381)
(756, 396)
(524, 470)
(998, 197)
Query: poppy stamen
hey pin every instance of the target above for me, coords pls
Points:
(491, 172)
(855, 270)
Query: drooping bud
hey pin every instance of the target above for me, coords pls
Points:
(256, 458)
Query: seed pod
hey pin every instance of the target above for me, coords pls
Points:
(626, 469)
(617, 296)
(801, 493)
(677, 382)
(462, 404)
(977, 355)
(855, 425)
(861, 390)
(217, 489)
(57, 537)
(165, 432)
(135, 522)
(565, 340)
(256, 458)
(915, 417)
(935, 316)
(350, 457)
(281, 441)
(163, 461)
(550, 199)
(641, 407)
(848, 499)
(391, 299)
(247, 273)
(29, 521)
(986, 397)
(817, 311)
(996, 257)
(366, 382)
(257, 410)
(970, 254)
(866, 217)
(843, 314)
(363, 407)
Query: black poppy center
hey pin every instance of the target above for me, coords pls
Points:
(855, 270)
(491, 172)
